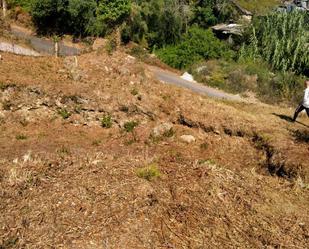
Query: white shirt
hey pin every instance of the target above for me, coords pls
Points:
(306, 98)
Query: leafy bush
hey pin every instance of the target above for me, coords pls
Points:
(197, 45)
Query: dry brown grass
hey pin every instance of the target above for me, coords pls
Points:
(59, 190)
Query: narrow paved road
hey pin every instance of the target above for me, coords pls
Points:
(44, 46)
(174, 79)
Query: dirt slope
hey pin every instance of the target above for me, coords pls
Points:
(67, 182)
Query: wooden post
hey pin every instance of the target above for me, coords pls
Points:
(56, 49)
(56, 40)
(4, 7)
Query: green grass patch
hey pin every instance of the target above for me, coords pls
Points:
(64, 113)
(149, 172)
(130, 126)
(107, 122)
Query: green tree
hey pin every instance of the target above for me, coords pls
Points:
(50, 16)
(82, 16)
(204, 15)
(110, 13)
(79, 17)
(157, 22)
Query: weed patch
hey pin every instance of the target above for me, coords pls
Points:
(64, 113)
(107, 122)
(149, 172)
(21, 137)
(130, 126)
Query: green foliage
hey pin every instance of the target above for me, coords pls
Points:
(110, 14)
(149, 172)
(155, 23)
(197, 45)
(282, 40)
(130, 126)
(82, 16)
(50, 15)
(64, 113)
(78, 17)
(204, 16)
(107, 121)
(24, 4)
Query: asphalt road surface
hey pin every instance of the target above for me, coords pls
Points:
(174, 79)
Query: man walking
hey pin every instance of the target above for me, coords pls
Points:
(305, 104)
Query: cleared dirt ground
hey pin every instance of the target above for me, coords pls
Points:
(67, 182)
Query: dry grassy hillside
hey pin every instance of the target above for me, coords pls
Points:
(92, 156)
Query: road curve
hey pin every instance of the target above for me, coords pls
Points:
(174, 79)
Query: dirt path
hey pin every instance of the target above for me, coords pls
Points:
(174, 79)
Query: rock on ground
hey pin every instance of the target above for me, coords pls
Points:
(188, 139)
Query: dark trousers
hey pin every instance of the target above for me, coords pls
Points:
(299, 109)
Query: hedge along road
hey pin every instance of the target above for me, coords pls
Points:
(45, 46)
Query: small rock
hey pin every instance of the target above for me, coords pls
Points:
(161, 129)
(188, 139)
(188, 77)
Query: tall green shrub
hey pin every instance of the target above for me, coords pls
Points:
(156, 22)
(282, 40)
(198, 44)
